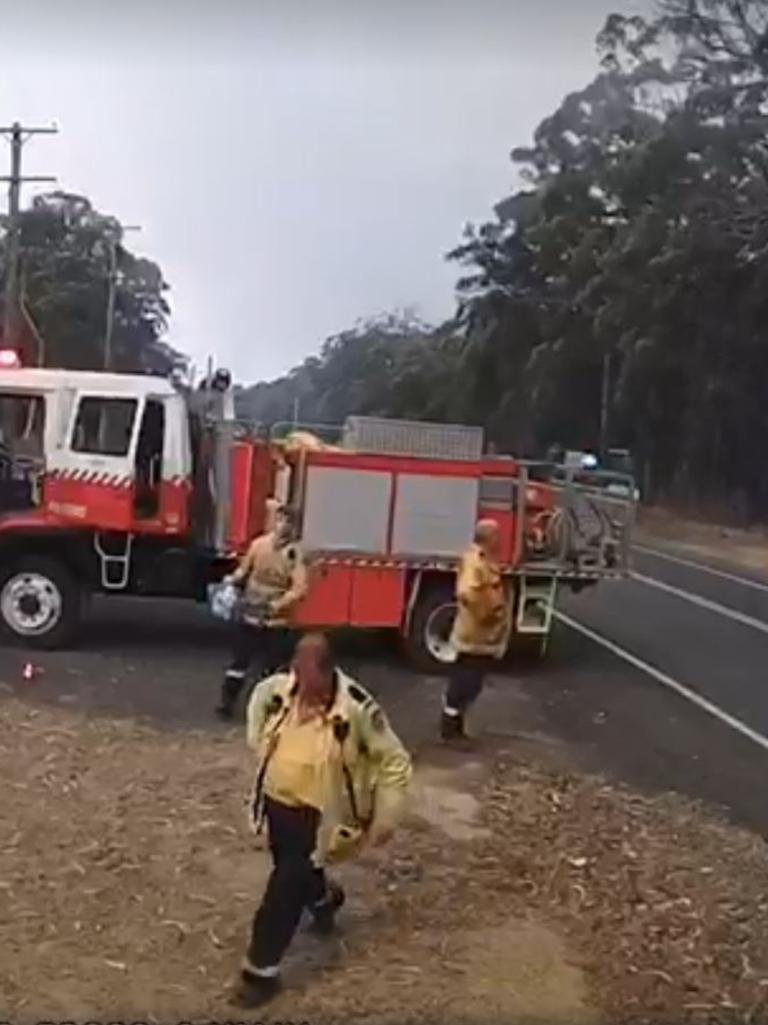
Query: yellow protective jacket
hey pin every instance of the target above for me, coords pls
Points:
(274, 574)
(369, 758)
(483, 621)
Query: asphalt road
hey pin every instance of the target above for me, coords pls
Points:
(697, 634)
(623, 699)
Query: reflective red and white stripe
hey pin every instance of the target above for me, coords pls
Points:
(98, 477)
(113, 480)
(377, 563)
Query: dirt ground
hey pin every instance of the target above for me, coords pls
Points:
(747, 548)
(517, 892)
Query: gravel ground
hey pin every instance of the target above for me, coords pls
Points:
(127, 879)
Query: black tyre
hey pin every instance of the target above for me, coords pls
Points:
(427, 640)
(40, 603)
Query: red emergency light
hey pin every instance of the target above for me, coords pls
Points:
(9, 359)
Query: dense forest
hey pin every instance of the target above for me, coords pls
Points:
(620, 295)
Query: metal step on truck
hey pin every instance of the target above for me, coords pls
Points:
(128, 485)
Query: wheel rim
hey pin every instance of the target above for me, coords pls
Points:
(31, 604)
(437, 633)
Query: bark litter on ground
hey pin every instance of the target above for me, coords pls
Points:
(128, 877)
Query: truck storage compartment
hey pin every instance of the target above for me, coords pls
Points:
(329, 598)
(346, 510)
(433, 515)
(378, 596)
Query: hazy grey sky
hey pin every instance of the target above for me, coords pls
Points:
(294, 164)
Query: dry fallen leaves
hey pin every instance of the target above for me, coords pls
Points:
(146, 858)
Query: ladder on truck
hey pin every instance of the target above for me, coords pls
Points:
(535, 608)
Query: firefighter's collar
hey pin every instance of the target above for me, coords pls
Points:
(335, 706)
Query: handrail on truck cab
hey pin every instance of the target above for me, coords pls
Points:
(243, 430)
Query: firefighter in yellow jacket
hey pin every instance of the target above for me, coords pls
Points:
(481, 629)
(331, 777)
(273, 578)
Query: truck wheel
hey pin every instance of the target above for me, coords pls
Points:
(40, 603)
(427, 641)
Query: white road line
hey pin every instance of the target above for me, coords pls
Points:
(667, 681)
(704, 603)
(704, 569)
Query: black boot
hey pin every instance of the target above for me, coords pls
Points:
(452, 727)
(255, 990)
(324, 914)
(225, 709)
(230, 691)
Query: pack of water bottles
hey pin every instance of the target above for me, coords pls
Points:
(224, 600)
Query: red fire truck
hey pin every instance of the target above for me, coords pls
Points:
(128, 485)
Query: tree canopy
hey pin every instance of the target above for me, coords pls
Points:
(391, 365)
(631, 262)
(69, 254)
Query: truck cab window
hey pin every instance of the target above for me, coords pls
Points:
(22, 452)
(104, 426)
(22, 423)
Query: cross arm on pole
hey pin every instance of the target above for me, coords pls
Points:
(10, 129)
(28, 178)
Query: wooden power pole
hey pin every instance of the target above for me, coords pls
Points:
(17, 135)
